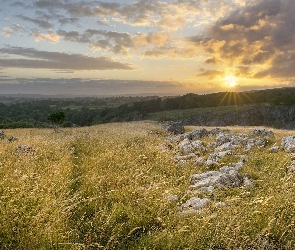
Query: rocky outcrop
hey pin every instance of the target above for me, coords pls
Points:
(192, 147)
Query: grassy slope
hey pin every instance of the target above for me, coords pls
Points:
(105, 187)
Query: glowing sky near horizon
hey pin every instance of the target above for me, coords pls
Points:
(149, 46)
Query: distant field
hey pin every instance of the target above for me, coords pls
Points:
(181, 114)
(106, 187)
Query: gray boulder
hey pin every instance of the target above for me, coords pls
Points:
(175, 128)
(2, 134)
(262, 132)
(187, 146)
(225, 178)
(288, 143)
(193, 205)
(274, 149)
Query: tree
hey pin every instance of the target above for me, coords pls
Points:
(57, 118)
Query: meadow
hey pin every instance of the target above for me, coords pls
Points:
(106, 187)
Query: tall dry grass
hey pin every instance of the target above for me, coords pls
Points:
(105, 187)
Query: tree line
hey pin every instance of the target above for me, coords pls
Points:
(90, 111)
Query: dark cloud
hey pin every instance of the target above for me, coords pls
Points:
(117, 42)
(55, 60)
(41, 23)
(258, 35)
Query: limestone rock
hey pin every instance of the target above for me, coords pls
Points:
(194, 204)
(2, 134)
(200, 161)
(175, 128)
(226, 177)
(262, 132)
(288, 143)
(274, 149)
(24, 149)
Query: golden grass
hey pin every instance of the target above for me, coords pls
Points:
(105, 187)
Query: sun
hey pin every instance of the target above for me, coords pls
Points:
(230, 81)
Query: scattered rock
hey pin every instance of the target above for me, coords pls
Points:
(211, 164)
(227, 177)
(181, 162)
(171, 197)
(200, 161)
(261, 142)
(197, 134)
(288, 144)
(191, 147)
(185, 157)
(262, 132)
(24, 149)
(187, 146)
(274, 149)
(12, 139)
(193, 205)
(247, 182)
(175, 128)
(291, 168)
(2, 134)
(220, 204)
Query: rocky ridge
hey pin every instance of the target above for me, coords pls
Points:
(208, 148)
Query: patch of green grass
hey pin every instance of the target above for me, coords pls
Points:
(184, 113)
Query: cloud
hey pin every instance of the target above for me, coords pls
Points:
(50, 37)
(258, 37)
(116, 42)
(41, 23)
(32, 58)
(211, 74)
(7, 32)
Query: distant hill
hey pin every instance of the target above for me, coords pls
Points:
(32, 111)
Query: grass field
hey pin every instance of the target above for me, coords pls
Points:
(105, 187)
(184, 113)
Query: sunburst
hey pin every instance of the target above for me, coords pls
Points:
(230, 81)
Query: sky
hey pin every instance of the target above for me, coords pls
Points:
(121, 47)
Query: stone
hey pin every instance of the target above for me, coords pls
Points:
(171, 197)
(197, 134)
(185, 157)
(247, 182)
(181, 163)
(274, 149)
(2, 134)
(12, 139)
(175, 128)
(220, 204)
(262, 132)
(288, 144)
(23, 149)
(225, 178)
(261, 142)
(187, 146)
(200, 161)
(194, 204)
(211, 164)
(214, 131)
